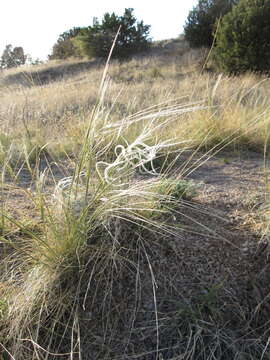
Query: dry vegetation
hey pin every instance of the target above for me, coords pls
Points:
(109, 250)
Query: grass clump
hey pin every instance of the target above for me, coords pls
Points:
(178, 189)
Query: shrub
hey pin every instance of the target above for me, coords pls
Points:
(65, 46)
(96, 40)
(179, 189)
(201, 21)
(243, 38)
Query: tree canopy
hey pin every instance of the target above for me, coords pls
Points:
(243, 38)
(96, 40)
(12, 57)
(200, 24)
(65, 46)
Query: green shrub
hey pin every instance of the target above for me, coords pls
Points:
(97, 40)
(243, 38)
(201, 21)
(65, 46)
(178, 189)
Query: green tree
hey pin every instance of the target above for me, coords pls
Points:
(200, 24)
(243, 38)
(65, 46)
(12, 57)
(96, 40)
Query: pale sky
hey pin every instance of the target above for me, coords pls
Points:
(36, 24)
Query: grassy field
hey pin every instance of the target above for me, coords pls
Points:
(110, 247)
(64, 99)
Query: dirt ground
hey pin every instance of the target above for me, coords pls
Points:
(219, 261)
(215, 273)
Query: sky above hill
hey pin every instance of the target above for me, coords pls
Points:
(36, 24)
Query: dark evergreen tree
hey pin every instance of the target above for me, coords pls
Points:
(243, 38)
(200, 24)
(96, 40)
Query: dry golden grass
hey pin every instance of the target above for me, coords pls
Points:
(54, 114)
